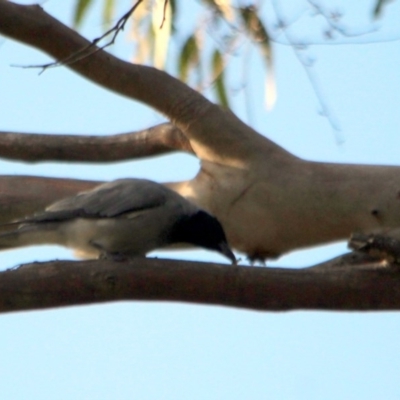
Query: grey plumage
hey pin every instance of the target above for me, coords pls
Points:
(126, 217)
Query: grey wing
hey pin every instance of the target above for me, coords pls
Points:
(107, 200)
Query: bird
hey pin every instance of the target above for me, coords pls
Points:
(120, 220)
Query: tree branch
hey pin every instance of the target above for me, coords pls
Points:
(207, 126)
(24, 195)
(156, 140)
(33, 26)
(92, 47)
(65, 283)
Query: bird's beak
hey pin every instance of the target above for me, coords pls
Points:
(227, 252)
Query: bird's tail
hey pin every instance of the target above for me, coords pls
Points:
(29, 235)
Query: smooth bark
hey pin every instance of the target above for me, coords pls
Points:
(36, 147)
(370, 286)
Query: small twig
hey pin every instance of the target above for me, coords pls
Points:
(307, 43)
(332, 18)
(92, 47)
(307, 65)
(164, 13)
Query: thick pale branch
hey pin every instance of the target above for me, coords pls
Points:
(24, 195)
(66, 283)
(212, 129)
(157, 140)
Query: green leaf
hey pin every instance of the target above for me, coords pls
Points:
(256, 29)
(221, 7)
(221, 92)
(81, 9)
(379, 7)
(108, 11)
(219, 83)
(162, 34)
(213, 5)
(189, 57)
(174, 13)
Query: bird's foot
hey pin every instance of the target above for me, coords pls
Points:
(113, 256)
(261, 257)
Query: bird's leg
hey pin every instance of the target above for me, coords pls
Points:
(106, 255)
(257, 259)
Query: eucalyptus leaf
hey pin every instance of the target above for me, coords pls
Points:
(82, 6)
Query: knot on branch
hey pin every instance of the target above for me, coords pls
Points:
(377, 246)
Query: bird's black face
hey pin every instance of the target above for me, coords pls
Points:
(202, 229)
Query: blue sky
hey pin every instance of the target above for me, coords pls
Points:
(175, 351)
